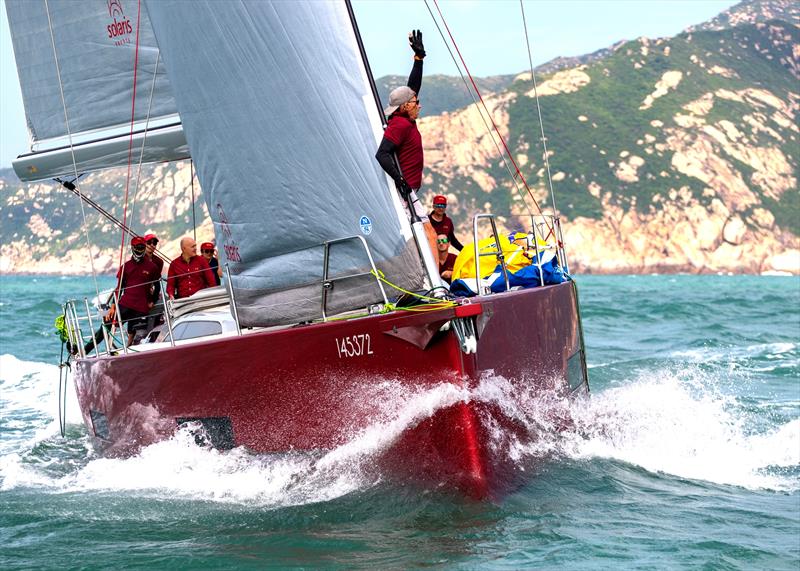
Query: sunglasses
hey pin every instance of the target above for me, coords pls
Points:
(207, 251)
(153, 242)
(440, 206)
(443, 241)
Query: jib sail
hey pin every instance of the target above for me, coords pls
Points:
(278, 113)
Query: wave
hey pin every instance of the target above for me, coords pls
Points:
(664, 421)
(678, 423)
(758, 351)
(29, 400)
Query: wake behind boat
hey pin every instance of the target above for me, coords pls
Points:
(283, 124)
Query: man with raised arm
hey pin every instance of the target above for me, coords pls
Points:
(402, 138)
(188, 273)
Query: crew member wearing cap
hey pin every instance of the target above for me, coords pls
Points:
(442, 223)
(447, 260)
(402, 138)
(188, 273)
(151, 243)
(207, 251)
(135, 283)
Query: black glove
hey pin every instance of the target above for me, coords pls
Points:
(403, 188)
(415, 41)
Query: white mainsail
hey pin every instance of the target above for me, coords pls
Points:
(273, 101)
(93, 66)
(281, 125)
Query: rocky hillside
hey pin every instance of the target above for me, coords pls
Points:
(676, 154)
(671, 154)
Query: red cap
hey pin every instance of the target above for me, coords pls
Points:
(206, 246)
(137, 241)
(148, 237)
(440, 199)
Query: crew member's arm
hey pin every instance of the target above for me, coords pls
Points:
(415, 77)
(207, 274)
(454, 241)
(172, 283)
(385, 156)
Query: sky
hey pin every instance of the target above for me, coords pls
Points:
(489, 33)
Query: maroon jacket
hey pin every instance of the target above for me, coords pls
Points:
(403, 132)
(137, 280)
(448, 265)
(185, 279)
(446, 227)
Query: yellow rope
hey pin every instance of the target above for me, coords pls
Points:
(435, 301)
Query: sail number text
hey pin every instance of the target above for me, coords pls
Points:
(354, 345)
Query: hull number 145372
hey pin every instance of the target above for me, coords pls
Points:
(354, 345)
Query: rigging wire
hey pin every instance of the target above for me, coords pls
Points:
(480, 112)
(71, 148)
(194, 221)
(129, 222)
(539, 110)
(130, 140)
(497, 130)
(70, 185)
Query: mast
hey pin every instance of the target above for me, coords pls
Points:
(430, 264)
(365, 59)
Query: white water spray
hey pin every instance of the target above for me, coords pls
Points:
(663, 422)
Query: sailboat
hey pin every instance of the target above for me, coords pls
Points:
(331, 299)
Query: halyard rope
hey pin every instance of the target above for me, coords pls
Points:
(480, 97)
(539, 110)
(480, 112)
(130, 140)
(71, 149)
(129, 222)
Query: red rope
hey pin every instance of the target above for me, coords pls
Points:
(480, 97)
(130, 141)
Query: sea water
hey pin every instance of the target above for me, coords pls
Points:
(686, 455)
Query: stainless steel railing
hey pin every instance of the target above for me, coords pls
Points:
(327, 282)
(544, 234)
(111, 337)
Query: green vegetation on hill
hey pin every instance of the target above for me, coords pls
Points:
(443, 93)
(613, 124)
(728, 111)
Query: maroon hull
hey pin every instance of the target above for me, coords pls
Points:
(314, 387)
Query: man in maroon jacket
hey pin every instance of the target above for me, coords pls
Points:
(136, 280)
(402, 139)
(188, 273)
(447, 260)
(442, 223)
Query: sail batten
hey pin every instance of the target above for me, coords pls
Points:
(280, 123)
